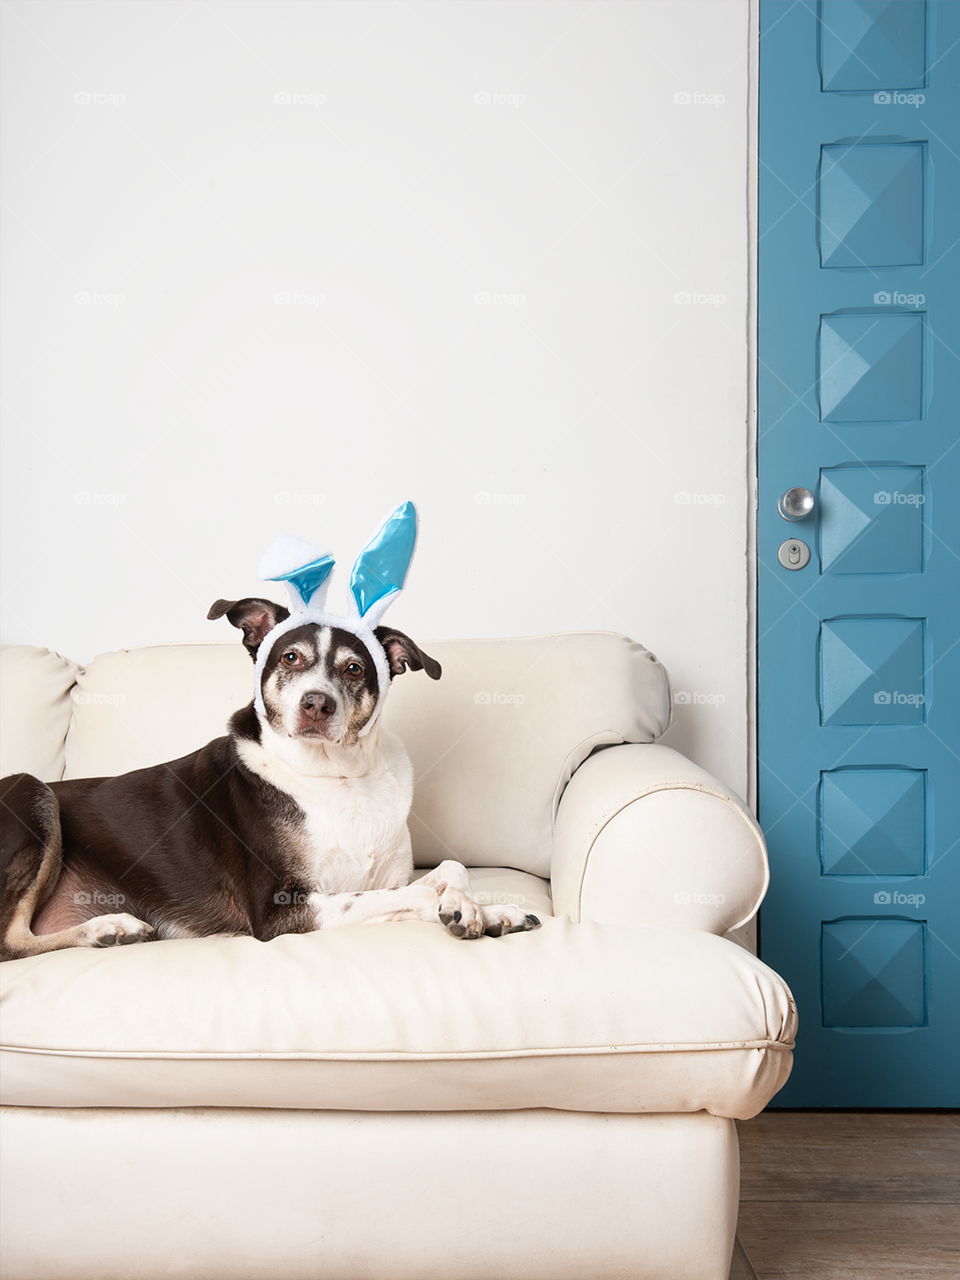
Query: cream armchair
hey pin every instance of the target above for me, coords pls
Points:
(386, 1101)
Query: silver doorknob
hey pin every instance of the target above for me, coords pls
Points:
(795, 504)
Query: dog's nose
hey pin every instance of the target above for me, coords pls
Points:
(316, 703)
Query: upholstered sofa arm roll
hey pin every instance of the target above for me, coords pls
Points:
(644, 836)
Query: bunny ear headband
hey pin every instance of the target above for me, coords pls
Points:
(375, 582)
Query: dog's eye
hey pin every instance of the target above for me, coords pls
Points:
(290, 658)
(354, 669)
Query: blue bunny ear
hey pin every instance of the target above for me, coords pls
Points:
(381, 567)
(304, 568)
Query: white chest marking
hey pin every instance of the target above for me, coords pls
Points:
(355, 803)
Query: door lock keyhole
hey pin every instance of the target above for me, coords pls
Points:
(794, 554)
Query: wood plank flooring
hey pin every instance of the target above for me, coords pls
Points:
(861, 1195)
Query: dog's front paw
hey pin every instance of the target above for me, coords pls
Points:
(507, 919)
(462, 914)
(114, 931)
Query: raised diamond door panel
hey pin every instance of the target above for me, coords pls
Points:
(871, 519)
(873, 45)
(871, 367)
(871, 205)
(873, 822)
(872, 672)
(873, 973)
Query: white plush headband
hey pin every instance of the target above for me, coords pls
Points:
(375, 582)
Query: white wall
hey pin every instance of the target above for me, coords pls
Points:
(189, 411)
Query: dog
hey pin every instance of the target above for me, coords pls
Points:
(295, 821)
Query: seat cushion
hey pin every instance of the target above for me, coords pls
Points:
(397, 1017)
(493, 742)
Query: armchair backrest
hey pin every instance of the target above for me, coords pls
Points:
(493, 743)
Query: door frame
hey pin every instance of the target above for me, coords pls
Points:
(753, 472)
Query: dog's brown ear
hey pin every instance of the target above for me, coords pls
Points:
(253, 617)
(401, 652)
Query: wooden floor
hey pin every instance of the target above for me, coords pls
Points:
(869, 1196)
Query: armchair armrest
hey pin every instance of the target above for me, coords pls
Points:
(644, 836)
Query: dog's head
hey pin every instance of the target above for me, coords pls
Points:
(320, 682)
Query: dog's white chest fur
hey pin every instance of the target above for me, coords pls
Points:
(355, 801)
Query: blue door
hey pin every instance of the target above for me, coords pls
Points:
(859, 577)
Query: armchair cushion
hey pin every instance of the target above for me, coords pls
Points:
(400, 1017)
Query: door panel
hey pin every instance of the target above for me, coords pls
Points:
(859, 660)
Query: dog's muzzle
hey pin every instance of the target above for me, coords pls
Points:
(317, 706)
